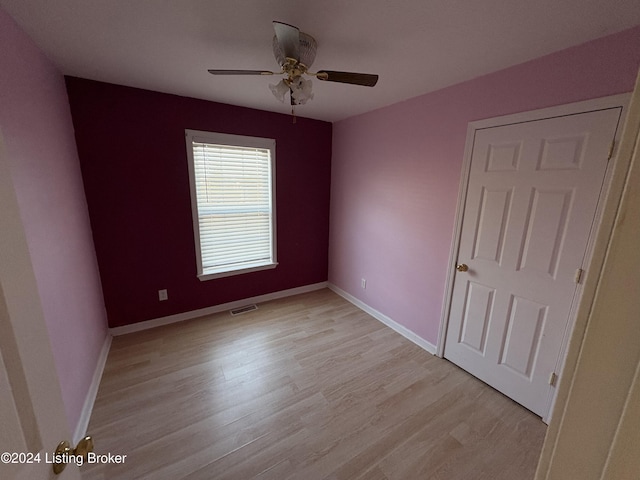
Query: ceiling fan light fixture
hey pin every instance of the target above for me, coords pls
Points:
(301, 91)
(279, 90)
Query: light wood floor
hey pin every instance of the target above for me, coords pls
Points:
(307, 387)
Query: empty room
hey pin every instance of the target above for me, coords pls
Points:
(334, 240)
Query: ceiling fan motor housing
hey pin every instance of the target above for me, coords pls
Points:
(307, 54)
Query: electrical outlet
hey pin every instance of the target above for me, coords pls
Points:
(363, 282)
(163, 295)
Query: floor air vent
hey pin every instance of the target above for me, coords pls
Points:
(245, 309)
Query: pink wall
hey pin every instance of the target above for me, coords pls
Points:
(35, 123)
(133, 157)
(396, 173)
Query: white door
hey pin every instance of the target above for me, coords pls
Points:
(32, 419)
(530, 205)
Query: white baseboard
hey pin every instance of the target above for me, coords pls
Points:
(404, 331)
(87, 408)
(180, 317)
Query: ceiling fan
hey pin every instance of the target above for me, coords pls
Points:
(295, 51)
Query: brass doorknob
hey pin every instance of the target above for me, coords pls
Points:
(462, 267)
(64, 450)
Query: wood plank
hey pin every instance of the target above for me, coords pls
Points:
(304, 387)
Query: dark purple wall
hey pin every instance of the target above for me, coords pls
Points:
(134, 166)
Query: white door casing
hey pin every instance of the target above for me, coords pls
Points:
(32, 416)
(594, 432)
(532, 195)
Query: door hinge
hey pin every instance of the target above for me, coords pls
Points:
(552, 379)
(578, 276)
(611, 149)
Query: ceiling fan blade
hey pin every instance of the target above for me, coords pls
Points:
(364, 79)
(240, 72)
(289, 39)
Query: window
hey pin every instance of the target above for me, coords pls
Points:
(232, 200)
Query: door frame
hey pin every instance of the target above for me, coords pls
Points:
(602, 219)
(36, 397)
(578, 430)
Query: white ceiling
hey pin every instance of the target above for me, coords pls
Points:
(416, 46)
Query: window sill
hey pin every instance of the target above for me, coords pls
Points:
(212, 274)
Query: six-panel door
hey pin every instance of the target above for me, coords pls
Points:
(531, 199)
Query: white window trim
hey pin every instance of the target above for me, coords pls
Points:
(232, 140)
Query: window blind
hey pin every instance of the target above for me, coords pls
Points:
(234, 206)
